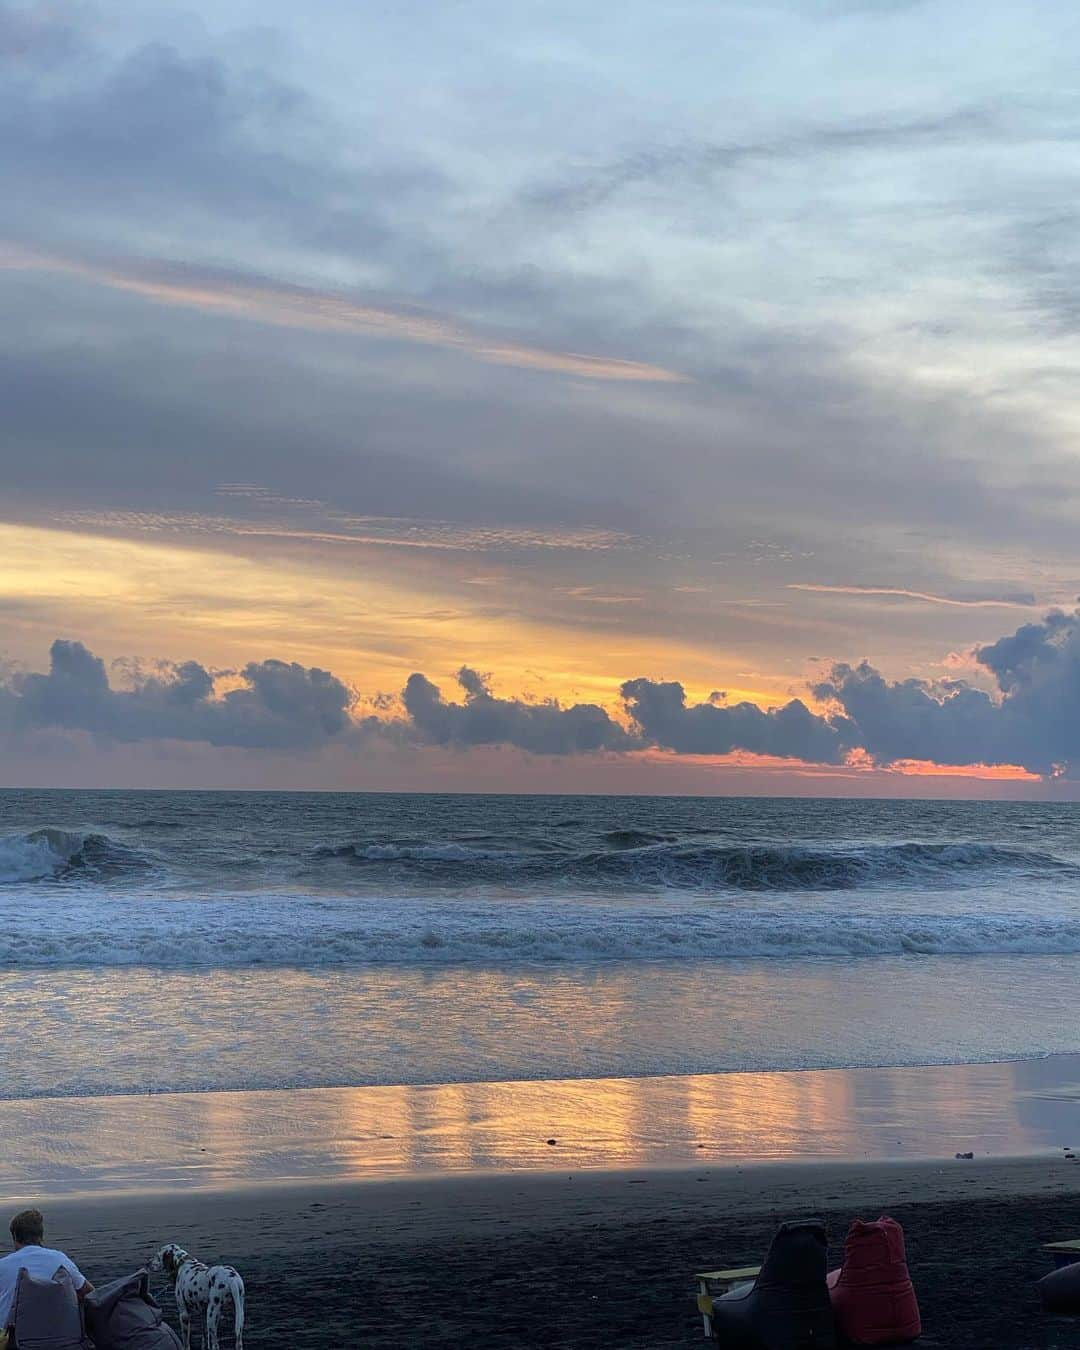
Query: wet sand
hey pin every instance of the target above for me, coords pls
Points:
(592, 1259)
(225, 1139)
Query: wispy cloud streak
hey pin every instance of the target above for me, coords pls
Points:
(279, 305)
(1012, 602)
(338, 528)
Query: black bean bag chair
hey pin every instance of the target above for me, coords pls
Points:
(1060, 1290)
(787, 1307)
(123, 1316)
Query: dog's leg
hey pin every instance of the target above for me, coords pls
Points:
(185, 1320)
(236, 1288)
(213, 1316)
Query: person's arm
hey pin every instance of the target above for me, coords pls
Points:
(83, 1288)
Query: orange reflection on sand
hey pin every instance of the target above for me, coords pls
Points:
(213, 1140)
(737, 1114)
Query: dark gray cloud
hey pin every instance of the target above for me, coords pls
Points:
(279, 705)
(482, 719)
(1034, 722)
(660, 709)
(944, 723)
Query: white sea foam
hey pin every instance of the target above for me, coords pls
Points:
(297, 931)
(37, 854)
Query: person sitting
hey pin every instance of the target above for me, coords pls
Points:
(30, 1254)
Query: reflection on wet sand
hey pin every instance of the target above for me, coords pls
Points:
(221, 1139)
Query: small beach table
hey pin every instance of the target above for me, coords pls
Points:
(712, 1283)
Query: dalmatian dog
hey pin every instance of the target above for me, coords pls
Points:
(202, 1292)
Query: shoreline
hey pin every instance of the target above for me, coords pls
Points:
(434, 1084)
(213, 1141)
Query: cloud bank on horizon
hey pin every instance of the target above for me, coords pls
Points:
(1032, 721)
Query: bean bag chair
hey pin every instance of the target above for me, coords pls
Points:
(45, 1314)
(123, 1316)
(1060, 1290)
(787, 1307)
(872, 1295)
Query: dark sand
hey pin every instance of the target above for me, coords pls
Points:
(597, 1259)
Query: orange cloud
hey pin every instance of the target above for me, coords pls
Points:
(857, 765)
(923, 768)
(863, 762)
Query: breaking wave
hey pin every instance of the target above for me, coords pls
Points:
(50, 852)
(635, 859)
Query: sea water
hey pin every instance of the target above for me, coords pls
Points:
(162, 941)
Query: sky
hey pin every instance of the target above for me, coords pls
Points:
(540, 397)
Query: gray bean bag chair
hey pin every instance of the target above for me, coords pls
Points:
(1060, 1290)
(787, 1307)
(123, 1316)
(45, 1314)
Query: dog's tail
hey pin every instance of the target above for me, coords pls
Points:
(236, 1288)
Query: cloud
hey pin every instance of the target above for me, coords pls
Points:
(278, 704)
(259, 300)
(483, 719)
(1031, 720)
(698, 163)
(1018, 601)
(336, 527)
(660, 710)
(193, 135)
(1034, 721)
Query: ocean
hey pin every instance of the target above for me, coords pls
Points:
(199, 941)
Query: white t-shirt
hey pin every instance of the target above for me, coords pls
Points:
(42, 1263)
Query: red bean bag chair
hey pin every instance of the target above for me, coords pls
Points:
(872, 1295)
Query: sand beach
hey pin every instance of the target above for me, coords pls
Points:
(442, 1216)
(593, 1259)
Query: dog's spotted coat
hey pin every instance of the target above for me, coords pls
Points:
(202, 1291)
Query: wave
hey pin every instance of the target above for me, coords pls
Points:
(150, 823)
(635, 838)
(452, 853)
(51, 852)
(634, 858)
(289, 932)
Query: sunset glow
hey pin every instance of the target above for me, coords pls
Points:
(479, 395)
